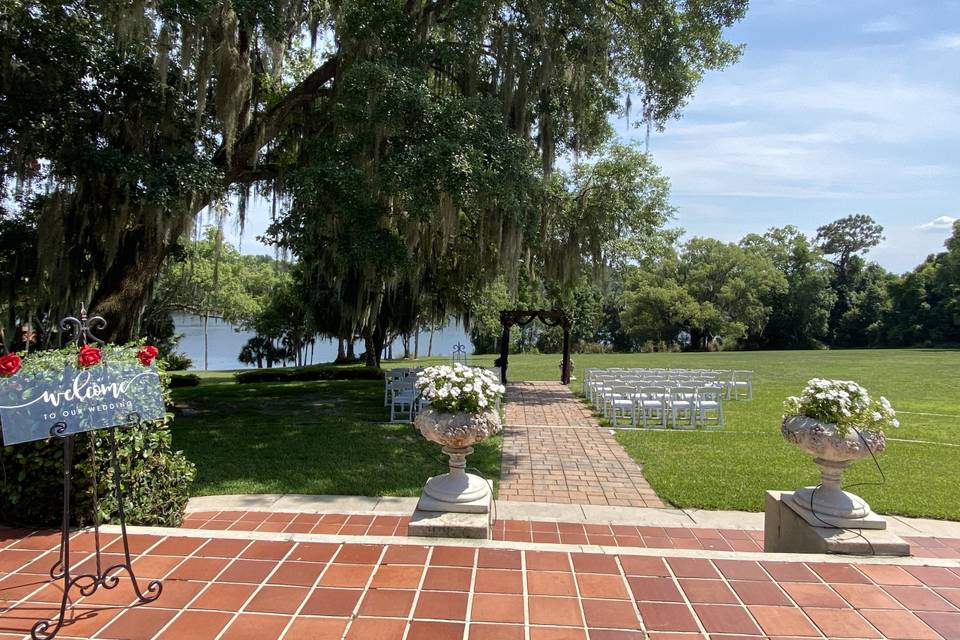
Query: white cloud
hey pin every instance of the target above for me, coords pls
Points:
(938, 224)
(946, 41)
(885, 25)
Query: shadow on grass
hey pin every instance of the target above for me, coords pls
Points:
(325, 437)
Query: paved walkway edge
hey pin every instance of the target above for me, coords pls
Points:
(513, 510)
(532, 546)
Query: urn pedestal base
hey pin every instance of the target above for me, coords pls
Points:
(456, 493)
(834, 509)
(829, 505)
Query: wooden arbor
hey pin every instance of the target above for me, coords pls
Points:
(523, 317)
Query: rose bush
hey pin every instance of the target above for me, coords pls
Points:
(843, 403)
(457, 387)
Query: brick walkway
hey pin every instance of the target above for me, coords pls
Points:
(554, 450)
(245, 589)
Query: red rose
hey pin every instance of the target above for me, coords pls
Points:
(9, 364)
(146, 354)
(88, 356)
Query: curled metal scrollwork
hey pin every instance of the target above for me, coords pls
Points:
(82, 329)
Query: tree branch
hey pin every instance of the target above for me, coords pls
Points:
(265, 128)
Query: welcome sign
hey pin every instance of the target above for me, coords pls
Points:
(98, 397)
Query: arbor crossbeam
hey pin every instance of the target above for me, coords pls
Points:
(523, 317)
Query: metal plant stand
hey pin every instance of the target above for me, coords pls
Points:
(106, 577)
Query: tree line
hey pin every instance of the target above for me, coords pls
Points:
(778, 290)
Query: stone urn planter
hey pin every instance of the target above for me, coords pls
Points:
(829, 505)
(457, 491)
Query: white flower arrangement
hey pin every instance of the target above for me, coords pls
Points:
(457, 387)
(843, 403)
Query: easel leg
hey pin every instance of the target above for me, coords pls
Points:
(154, 587)
(41, 630)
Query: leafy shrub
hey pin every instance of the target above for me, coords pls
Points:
(313, 372)
(184, 380)
(156, 479)
(582, 346)
(177, 362)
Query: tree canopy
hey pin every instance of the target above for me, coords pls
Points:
(421, 132)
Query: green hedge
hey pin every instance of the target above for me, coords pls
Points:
(184, 380)
(314, 372)
(156, 479)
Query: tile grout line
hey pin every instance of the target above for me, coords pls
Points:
(166, 576)
(525, 592)
(736, 595)
(633, 600)
(576, 588)
(263, 582)
(310, 591)
(365, 589)
(473, 589)
(686, 600)
(427, 563)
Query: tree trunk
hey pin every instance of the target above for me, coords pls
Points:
(416, 342)
(379, 341)
(405, 338)
(351, 354)
(371, 356)
(206, 344)
(341, 353)
(430, 343)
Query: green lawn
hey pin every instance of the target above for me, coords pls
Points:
(730, 469)
(329, 437)
(325, 437)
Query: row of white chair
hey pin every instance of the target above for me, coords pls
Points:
(657, 406)
(736, 384)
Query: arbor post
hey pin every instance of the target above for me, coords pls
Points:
(504, 349)
(565, 364)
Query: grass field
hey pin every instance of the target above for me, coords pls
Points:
(328, 437)
(324, 437)
(730, 469)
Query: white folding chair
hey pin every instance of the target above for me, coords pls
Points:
(742, 382)
(710, 406)
(622, 405)
(403, 400)
(683, 407)
(652, 403)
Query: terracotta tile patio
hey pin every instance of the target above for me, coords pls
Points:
(265, 589)
(554, 450)
(527, 531)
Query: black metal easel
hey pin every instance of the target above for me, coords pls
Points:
(101, 577)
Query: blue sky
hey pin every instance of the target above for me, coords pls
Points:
(837, 107)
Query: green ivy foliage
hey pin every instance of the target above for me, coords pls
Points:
(155, 479)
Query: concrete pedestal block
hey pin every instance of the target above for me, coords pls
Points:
(786, 531)
(434, 524)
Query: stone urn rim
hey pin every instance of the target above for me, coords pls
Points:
(820, 439)
(457, 429)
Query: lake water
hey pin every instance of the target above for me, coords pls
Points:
(225, 342)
